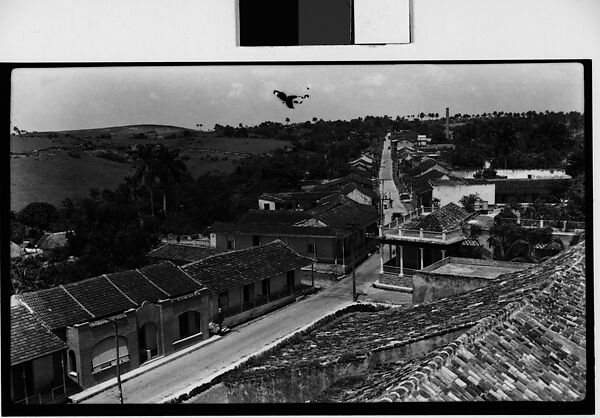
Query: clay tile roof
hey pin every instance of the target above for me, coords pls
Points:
(448, 217)
(55, 307)
(256, 216)
(136, 286)
(521, 337)
(99, 296)
(182, 252)
(171, 279)
(29, 337)
(230, 270)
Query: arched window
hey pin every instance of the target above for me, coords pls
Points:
(72, 363)
(189, 324)
(104, 354)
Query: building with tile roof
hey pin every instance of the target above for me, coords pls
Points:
(336, 233)
(421, 241)
(249, 282)
(180, 254)
(520, 338)
(157, 309)
(528, 190)
(37, 357)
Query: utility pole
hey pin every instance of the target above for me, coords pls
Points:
(114, 322)
(353, 226)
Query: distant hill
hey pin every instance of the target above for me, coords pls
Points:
(49, 166)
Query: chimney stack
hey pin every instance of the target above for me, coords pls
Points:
(447, 123)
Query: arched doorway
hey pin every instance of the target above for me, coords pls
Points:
(148, 338)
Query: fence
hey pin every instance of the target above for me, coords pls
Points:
(561, 225)
(396, 270)
(46, 396)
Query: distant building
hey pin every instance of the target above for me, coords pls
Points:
(180, 254)
(513, 174)
(528, 190)
(52, 241)
(451, 191)
(328, 233)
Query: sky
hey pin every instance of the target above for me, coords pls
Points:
(47, 99)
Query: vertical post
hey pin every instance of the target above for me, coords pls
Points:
(25, 386)
(541, 223)
(421, 233)
(312, 274)
(401, 256)
(62, 365)
(421, 256)
(443, 254)
(564, 226)
(354, 296)
(444, 235)
(381, 258)
(118, 362)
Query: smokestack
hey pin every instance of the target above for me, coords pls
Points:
(447, 123)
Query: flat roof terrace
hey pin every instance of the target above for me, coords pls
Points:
(471, 267)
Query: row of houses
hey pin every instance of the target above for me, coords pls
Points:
(74, 336)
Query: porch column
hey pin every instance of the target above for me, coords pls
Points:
(381, 259)
(443, 254)
(401, 256)
(421, 256)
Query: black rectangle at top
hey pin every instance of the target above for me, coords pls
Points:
(268, 22)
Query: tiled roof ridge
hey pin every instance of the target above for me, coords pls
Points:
(158, 248)
(188, 275)
(443, 355)
(119, 290)
(151, 282)
(76, 301)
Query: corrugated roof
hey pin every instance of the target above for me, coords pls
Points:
(182, 252)
(237, 268)
(29, 337)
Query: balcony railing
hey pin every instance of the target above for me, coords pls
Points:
(422, 234)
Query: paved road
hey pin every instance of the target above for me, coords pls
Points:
(385, 175)
(243, 341)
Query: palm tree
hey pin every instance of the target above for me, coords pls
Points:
(287, 120)
(146, 173)
(169, 169)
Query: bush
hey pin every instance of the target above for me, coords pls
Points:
(74, 154)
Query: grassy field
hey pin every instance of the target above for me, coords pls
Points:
(42, 170)
(53, 178)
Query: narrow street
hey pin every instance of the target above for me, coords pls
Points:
(389, 188)
(187, 371)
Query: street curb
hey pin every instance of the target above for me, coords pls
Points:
(392, 287)
(109, 384)
(246, 358)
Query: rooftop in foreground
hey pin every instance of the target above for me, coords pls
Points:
(521, 337)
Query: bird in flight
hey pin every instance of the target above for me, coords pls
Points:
(290, 100)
